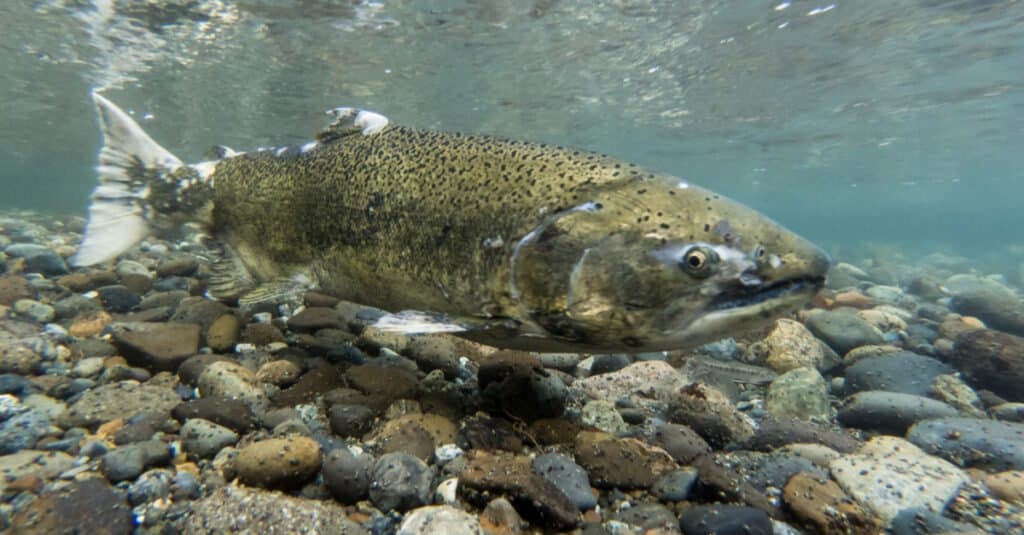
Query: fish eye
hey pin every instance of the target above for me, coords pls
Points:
(758, 252)
(699, 261)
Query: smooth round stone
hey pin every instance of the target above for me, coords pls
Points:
(680, 441)
(400, 482)
(439, 519)
(649, 516)
(1008, 412)
(184, 486)
(347, 475)
(34, 310)
(150, 486)
(568, 476)
(986, 444)
(842, 330)
(284, 463)
(88, 367)
(205, 439)
(231, 380)
(435, 353)
(350, 420)
(223, 333)
(181, 266)
(725, 520)
(127, 462)
(800, 393)
(675, 486)
(603, 415)
(118, 298)
(609, 363)
(890, 412)
(904, 372)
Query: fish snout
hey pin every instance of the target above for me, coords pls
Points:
(799, 260)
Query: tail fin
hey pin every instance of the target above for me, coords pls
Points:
(117, 209)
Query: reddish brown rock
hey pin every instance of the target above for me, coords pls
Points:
(822, 505)
(992, 360)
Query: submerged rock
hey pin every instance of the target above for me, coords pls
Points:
(992, 360)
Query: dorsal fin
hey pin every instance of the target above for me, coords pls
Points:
(348, 121)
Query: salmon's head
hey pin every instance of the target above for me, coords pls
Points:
(658, 264)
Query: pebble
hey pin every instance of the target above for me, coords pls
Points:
(230, 413)
(13, 288)
(952, 390)
(675, 486)
(626, 463)
(279, 372)
(649, 517)
(986, 444)
(156, 346)
(789, 346)
(312, 319)
(499, 517)
(23, 430)
(710, 413)
(222, 335)
(890, 412)
(280, 463)
(799, 393)
(1008, 412)
(178, 265)
(439, 519)
(992, 360)
(725, 520)
(490, 474)
(230, 509)
(823, 506)
(383, 382)
(82, 506)
(434, 352)
(89, 324)
(994, 303)
(34, 310)
(347, 474)
(18, 359)
(204, 439)
(231, 380)
(400, 482)
(150, 486)
(262, 334)
(350, 420)
(111, 401)
(776, 433)
(602, 415)
(134, 275)
(842, 329)
(647, 380)
(719, 480)
(190, 370)
(912, 477)
(568, 476)
(118, 298)
(1007, 485)
(38, 259)
(43, 464)
(74, 305)
(679, 441)
(127, 462)
(904, 372)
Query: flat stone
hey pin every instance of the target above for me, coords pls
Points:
(44, 464)
(223, 333)
(13, 288)
(200, 311)
(649, 517)
(204, 439)
(625, 463)
(439, 519)
(231, 413)
(156, 346)
(182, 266)
(284, 463)
(386, 382)
(992, 360)
(230, 509)
(904, 372)
(129, 461)
(281, 373)
(775, 433)
(719, 481)
(911, 477)
(789, 346)
(314, 383)
(117, 298)
(823, 506)
(83, 506)
(487, 474)
(842, 329)
(1007, 485)
(890, 412)
(986, 444)
(111, 401)
(262, 334)
(724, 520)
(230, 380)
(435, 352)
(650, 380)
(313, 318)
(675, 486)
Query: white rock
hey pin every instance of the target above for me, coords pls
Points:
(890, 474)
(439, 519)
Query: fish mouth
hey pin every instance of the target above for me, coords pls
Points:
(749, 296)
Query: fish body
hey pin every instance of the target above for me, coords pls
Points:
(507, 242)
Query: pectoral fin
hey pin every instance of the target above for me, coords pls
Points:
(275, 291)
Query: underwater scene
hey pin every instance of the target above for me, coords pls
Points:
(699, 267)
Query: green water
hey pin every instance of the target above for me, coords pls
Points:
(851, 122)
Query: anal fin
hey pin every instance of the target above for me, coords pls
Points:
(275, 291)
(229, 278)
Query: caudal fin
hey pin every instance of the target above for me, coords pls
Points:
(117, 209)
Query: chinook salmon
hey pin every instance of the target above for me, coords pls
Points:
(509, 243)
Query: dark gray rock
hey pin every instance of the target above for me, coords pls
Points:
(150, 486)
(528, 394)
(204, 439)
(987, 444)
(400, 482)
(350, 420)
(725, 520)
(773, 433)
(22, 430)
(904, 372)
(890, 412)
(568, 476)
(74, 305)
(156, 346)
(649, 516)
(127, 462)
(675, 486)
(117, 298)
(347, 475)
(231, 413)
(991, 360)
(38, 259)
(609, 363)
(842, 330)
(681, 442)
(922, 521)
